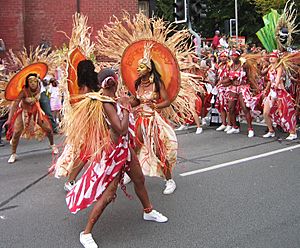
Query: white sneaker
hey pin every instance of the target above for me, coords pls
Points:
(221, 128)
(170, 187)
(54, 149)
(69, 185)
(227, 129)
(199, 130)
(155, 216)
(269, 135)
(233, 130)
(127, 179)
(12, 158)
(250, 133)
(182, 127)
(292, 136)
(203, 121)
(87, 240)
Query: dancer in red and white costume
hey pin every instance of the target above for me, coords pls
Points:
(222, 97)
(279, 105)
(239, 92)
(103, 126)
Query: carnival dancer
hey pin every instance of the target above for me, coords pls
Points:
(279, 105)
(221, 86)
(103, 125)
(87, 82)
(26, 117)
(163, 89)
(156, 139)
(239, 92)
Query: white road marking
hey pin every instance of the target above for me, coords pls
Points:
(218, 166)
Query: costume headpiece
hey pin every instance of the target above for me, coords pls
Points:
(274, 54)
(17, 82)
(223, 54)
(138, 39)
(235, 53)
(278, 30)
(146, 60)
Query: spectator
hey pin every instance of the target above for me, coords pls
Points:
(216, 40)
(45, 102)
(223, 42)
(55, 100)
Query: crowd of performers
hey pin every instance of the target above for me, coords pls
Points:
(112, 135)
(266, 91)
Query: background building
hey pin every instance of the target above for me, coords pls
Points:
(31, 22)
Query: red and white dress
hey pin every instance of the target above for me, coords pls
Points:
(222, 97)
(241, 86)
(95, 180)
(281, 103)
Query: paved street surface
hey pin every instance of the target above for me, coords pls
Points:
(246, 204)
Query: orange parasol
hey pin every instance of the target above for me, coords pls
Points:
(17, 82)
(75, 57)
(165, 62)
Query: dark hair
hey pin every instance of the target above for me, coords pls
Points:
(86, 75)
(27, 77)
(104, 73)
(157, 78)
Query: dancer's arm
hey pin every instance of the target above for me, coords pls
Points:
(278, 76)
(14, 107)
(119, 126)
(134, 101)
(165, 98)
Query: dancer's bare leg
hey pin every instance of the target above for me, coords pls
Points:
(18, 129)
(101, 204)
(137, 177)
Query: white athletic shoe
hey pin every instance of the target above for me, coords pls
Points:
(221, 128)
(227, 129)
(182, 127)
(233, 130)
(292, 137)
(87, 240)
(12, 158)
(127, 179)
(155, 216)
(203, 121)
(54, 149)
(269, 135)
(199, 130)
(170, 187)
(69, 185)
(250, 133)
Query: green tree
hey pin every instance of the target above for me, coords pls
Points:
(250, 21)
(264, 6)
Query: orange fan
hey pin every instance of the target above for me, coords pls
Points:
(17, 82)
(75, 57)
(165, 63)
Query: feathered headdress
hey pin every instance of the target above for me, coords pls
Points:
(146, 60)
(123, 41)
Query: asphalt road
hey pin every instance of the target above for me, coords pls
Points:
(250, 204)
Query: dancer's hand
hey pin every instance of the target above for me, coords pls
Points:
(125, 102)
(151, 104)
